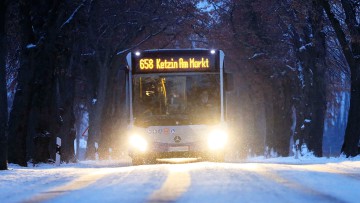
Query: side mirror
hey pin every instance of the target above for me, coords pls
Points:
(228, 81)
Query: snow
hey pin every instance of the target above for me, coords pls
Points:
(303, 48)
(30, 46)
(255, 179)
(72, 15)
(88, 53)
(291, 68)
(83, 143)
(256, 55)
(204, 6)
(301, 74)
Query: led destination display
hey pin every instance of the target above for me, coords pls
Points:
(180, 63)
(174, 61)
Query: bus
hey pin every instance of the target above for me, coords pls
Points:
(176, 101)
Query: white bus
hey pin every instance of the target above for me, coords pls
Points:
(176, 105)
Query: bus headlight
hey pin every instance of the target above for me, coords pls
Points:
(138, 142)
(217, 139)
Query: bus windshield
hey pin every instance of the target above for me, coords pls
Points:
(165, 100)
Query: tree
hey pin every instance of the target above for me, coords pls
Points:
(351, 51)
(3, 92)
(36, 112)
(309, 48)
(278, 50)
(258, 54)
(18, 121)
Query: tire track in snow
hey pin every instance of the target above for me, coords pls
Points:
(269, 173)
(177, 183)
(331, 169)
(77, 184)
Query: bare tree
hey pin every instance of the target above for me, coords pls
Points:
(36, 117)
(18, 121)
(278, 50)
(351, 51)
(3, 92)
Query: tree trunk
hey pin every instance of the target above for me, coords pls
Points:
(94, 125)
(316, 55)
(3, 92)
(42, 108)
(67, 131)
(352, 133)
(282, 117)
(96, 111)
(351, 52)
(93, 131)
(19, 116)
(44, 102)
(310, 51)
(112, 114)
(269, 116)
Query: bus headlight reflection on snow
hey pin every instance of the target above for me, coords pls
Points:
(217, 139)
(138, 142)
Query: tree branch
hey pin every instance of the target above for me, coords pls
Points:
(73, 14)
(141, 42)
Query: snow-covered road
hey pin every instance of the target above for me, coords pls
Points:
(336, 181)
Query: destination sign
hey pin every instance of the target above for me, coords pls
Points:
(174, 61)
(180, 63)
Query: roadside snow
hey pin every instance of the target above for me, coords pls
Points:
(303, 160)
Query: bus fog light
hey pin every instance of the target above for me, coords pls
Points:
(138, 143)
(217, 139)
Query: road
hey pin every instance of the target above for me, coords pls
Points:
(195, 182)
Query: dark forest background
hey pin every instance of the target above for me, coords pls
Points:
(296, 69)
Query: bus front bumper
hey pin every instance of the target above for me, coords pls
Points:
(164, 150)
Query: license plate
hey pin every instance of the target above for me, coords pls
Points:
(179, 149)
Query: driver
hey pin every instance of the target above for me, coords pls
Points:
(204, 97)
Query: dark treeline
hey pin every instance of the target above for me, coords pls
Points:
(3, 93)
(290, 59)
